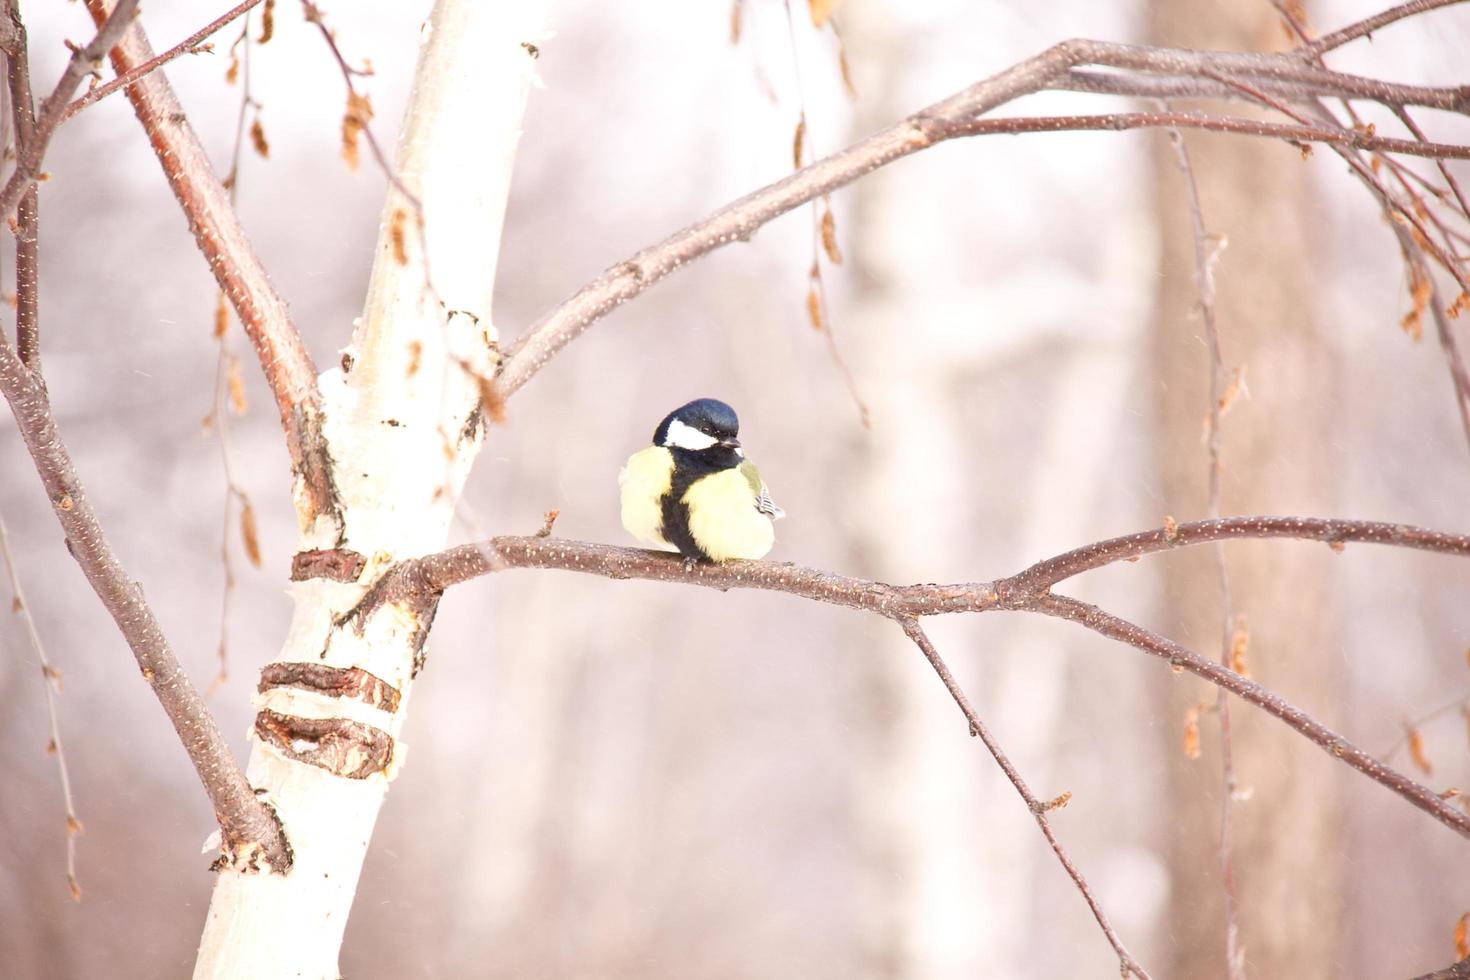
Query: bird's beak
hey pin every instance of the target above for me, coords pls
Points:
(731, 443)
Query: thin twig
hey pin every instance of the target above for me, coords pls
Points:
(1205, 255)
(189, 45)
(1363, 28)
(249, 830)
(51, 679)
(83, 61)
(1039, 809)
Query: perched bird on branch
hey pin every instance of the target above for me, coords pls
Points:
(693, 491)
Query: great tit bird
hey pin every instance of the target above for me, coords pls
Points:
(693, 491)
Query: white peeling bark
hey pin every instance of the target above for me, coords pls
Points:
(403, 424)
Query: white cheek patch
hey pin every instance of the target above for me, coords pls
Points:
(687, 437)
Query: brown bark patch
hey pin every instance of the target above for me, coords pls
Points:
(339, 745)
(341, 682)
(337, 564)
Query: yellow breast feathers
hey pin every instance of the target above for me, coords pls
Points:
(644, 481)
(723, 516)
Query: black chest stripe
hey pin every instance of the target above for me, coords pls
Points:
(688, 467)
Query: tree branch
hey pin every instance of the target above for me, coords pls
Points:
(30, 152)
(1182, 72)
(1039, 809)
(27, 240)
(263, 313)
(248, 827)
(1026, 591)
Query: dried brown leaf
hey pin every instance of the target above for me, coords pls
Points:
(1232, 390)
(74, 826)
(845, 69)
(1462, 937)
(798, 142)
(814, 307)
(232, 73)
(829, 237)
(74, 887)
(492, 399)
(1461, 302)
(1420, 289)
(1416, 752)
(1056, 803)
(221, 316)
(267, 21)
(1171, 528)
(359, 113)
(258, 140)
(822, 10)
(1191, 733)
(736, 21)
(1240, 641)
(248, 534)
(236, 384)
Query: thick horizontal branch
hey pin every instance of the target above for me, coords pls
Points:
(1290, 77)
(1027, 591)
(249, 829)
(1333, 532)
(232, 260)
(439, 571)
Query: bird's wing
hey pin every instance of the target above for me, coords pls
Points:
(763, 501)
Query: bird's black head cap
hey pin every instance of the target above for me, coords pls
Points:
(709, 415)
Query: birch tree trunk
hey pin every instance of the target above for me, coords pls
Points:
(404, 421)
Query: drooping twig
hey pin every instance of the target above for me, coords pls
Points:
(189, 45)
(1039, 809)
(1408, 244)
(1206, 251)
(249, 829)
(1160, 71)
(263, 313)
(819, 311)
(51, 679)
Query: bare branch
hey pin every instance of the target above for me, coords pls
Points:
(27, 236)
(1363, 28)
(189, 45)
(1127, 964)
(1329, 741)
(1182, 72)
(249, 829)
(263, 313)
(1044, 575)
(31, 151)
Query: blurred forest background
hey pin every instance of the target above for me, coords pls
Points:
(641, 780)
